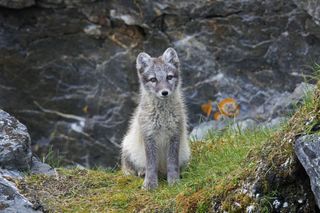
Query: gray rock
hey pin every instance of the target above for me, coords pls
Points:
(201, 131)
(244, 124)
(17, 4)
(38, 167)
(279, 105)
(62, 3)
(273, 123)
(11, 173)
(11, 201)
(307, 149)
(69, 75)
(15, 144)
(274, 111)
(312, 7)
(15, 148)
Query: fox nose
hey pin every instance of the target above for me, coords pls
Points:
(164, 93)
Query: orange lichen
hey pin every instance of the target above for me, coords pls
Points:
(217, 116)
(229, 107)
(207, 108)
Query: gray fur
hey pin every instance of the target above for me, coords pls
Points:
(160, 121)
(151, 176)
(173, 169)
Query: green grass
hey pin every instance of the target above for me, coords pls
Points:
(214, 168)
(220, 166)
(52, 158)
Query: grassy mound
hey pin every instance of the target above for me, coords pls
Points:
(215, 163)
(220, 167)
(278, 174)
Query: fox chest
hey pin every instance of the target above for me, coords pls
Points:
(161, 124)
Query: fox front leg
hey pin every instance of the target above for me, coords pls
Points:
(173, 169)
(151, 171)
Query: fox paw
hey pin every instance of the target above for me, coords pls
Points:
(150, 184)
(173, 179)
(141, 173)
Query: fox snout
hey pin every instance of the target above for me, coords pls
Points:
(163, 88)
(164, 93)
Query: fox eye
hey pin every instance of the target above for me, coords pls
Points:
(169, 77)
(153, 80)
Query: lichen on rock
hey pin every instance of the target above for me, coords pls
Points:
(15, 143)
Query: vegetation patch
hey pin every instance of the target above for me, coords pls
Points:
(278, 176)
(214, 169)
(231, 170)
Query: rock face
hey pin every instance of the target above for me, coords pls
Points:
(307, 149)
(69, 73)
(15, 143)
(17, 4)
(312, 7)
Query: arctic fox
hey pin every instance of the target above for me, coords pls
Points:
(156, 141)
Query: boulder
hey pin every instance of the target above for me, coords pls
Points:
(202, 130)
(38, 167)
(307, 149)
(15, 143)
(15, 148)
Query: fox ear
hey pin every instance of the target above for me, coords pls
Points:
(143, 61)
(170, 56)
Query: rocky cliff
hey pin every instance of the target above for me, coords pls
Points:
(67, 67)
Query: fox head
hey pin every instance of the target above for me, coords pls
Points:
(159, 76)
